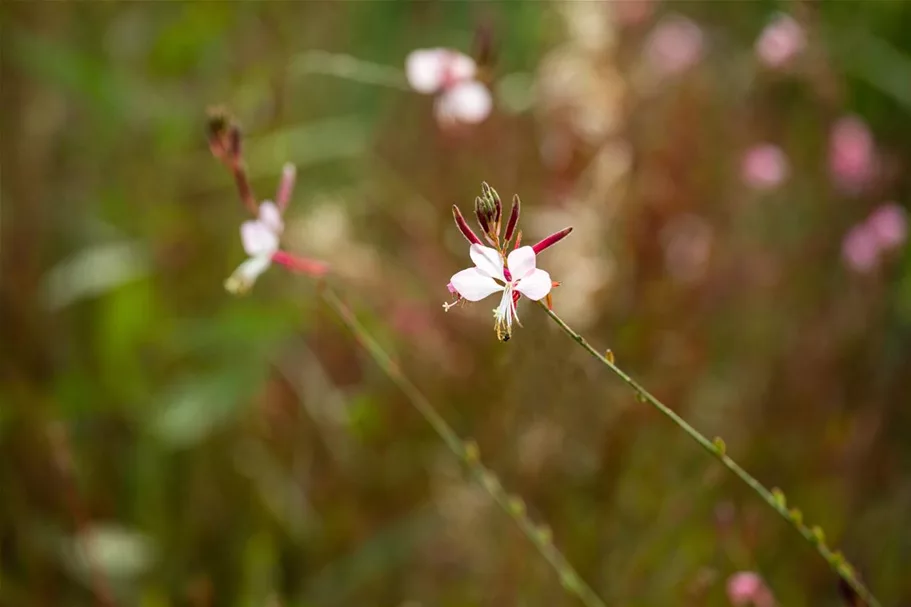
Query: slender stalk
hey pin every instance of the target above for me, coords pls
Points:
(62, 455)
(348, 68)
(468, 453)
(774, 498)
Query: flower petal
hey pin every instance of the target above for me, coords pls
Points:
(271, 217)
(257, 238)
(536, 285)
(473, 285)
(459, 66)
(246, 274)
(468, 102)
(425, 69)
(487, 260)
(521, 262)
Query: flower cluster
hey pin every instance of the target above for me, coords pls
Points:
(452, 77)
(496, 268)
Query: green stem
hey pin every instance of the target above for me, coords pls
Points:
(468, 453)
(348, 68)
(775, 498)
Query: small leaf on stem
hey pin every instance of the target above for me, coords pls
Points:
(720, 447)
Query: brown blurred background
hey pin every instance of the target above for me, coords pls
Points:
(737, 194)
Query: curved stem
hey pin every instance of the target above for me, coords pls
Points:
(774, 498)
(468, 453)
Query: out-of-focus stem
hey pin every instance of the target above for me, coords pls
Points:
(775, 499)
(63, 461)
(239, 170)
(348, 68)
(469, 455)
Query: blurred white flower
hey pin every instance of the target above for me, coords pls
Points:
(764, 167)
(519, 275)
(468, 102)
(450, 75)
(260, 238)
(781, 40)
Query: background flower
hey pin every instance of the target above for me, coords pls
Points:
(780, 41)
(764, 167)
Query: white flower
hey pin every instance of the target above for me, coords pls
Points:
(490, 275)
(430, 70)
(260, 238)
(468, 102)
(450, 75)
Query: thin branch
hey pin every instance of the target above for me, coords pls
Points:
(468, 453)
(774, 498)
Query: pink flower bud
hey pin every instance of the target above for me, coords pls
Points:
(463, 226)
(551, 240)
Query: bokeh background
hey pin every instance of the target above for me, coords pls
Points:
(737, 193)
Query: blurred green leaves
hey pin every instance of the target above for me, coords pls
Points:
(94, 271)
(195, 406)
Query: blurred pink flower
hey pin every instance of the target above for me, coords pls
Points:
(851, 153)
(764, 166)
(781, 40)
(675, 45)
(748, 588)
(860, 249)
(450, 75)
(889, 224)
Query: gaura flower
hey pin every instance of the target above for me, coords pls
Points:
(514, 273)
(260, 238)
(518, 275)
(451, 76)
